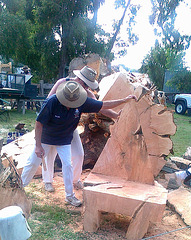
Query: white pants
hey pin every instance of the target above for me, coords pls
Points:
(77, 152)
(64, 153)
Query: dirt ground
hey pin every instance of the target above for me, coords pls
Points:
(113, 228)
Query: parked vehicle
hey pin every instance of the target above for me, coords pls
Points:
(182, 103)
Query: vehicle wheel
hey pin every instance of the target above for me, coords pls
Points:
(180, 108)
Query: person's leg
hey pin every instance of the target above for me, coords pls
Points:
(31, 166)
(77, 157)
(64, 153)
(48, 175)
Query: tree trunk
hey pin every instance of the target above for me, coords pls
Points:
(64, 61)
(112, 41)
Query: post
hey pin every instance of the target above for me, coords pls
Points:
(41, 88)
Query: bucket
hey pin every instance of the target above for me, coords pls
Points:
(13, 224)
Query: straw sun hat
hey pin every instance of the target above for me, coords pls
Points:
(87, 75)
(71, 94)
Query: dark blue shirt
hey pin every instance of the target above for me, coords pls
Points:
(59, 123)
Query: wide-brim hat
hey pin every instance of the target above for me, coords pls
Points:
(87, 75)
(71, 94)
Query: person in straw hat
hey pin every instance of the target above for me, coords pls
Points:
(86, 77)
(25, 70)
(54, 129)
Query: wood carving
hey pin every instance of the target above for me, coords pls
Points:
(133, 155)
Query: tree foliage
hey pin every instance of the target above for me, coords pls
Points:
(47, 35)
(169, 55)
(163, 19)
(115, 39)
(158, 60)
(154, 65)
(14, 34)
(182, 81)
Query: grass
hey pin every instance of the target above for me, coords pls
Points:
(8, 125)
(182, 138)
(51, 222)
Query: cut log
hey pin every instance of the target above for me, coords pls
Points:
(91, 60)
(12, 192)
(19, 150)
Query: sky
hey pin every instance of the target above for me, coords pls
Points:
(136, 53)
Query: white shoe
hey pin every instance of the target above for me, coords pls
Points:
(73, 201)
(48, 187)
(78, 185)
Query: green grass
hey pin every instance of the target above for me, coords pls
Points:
(182, 138)
(52, 222)
(8, 125)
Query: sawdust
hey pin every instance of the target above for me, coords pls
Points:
(113, 227)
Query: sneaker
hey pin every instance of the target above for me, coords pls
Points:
(73, 201)
(48, 187)
(78, 185)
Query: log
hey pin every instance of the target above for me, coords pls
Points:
(19, 150)
(149, 125)
(139, 141)
(94, 137)
(122, 180)
(12, 192)
(93, 143)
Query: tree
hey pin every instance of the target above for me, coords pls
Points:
(163, 19)
(159, 60)
(14, 34)
(182, 80)
(132, 38)
(50, 33)
(154, 65)
(170, 53)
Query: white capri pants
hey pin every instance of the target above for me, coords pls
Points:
(64, 153)
(77, 153)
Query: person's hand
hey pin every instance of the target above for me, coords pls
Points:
(133, 97)
(39, 151)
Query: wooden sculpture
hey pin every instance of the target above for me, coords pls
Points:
(122, 180)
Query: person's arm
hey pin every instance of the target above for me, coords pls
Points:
(110, 113)
(115, 103)
(106, 112)
(38, 133)
(54, 88)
